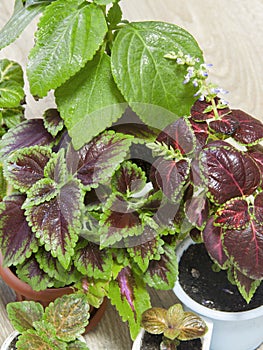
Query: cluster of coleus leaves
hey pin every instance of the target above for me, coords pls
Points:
(85, 217)
(211, 163)
(55, 328)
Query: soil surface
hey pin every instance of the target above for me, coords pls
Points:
(12, 345)
(152, 342)
(209, 288)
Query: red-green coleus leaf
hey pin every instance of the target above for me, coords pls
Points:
(227, 172)
(56, 168)
(129, 179)
(234, 214)
(119, 220)
(30, 272)
(212, 237)
(179, 136)
(128, 293)
(26, 166)
(201, 132)
(143, 253)
(99, 159)
(197, 209)
(227, 125)
(245, 248)
(258, 208)
(171, 176)
(250, 130)
(57, 221)
(199, 107)
(246, 286)
(53, 122)
(162, 273)
(16, 238)
(91, 261)
(28, 133)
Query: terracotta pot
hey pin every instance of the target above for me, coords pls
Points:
(23, 291)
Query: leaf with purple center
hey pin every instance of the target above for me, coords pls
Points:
(16, 237)
(198, 113)
(227, 125)
(26, 166)
(53, 122)
(234, 214)
(162, 273)
(128, 293)
(197, 208)
(246, 286)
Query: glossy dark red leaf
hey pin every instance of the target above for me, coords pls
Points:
(258, 208)
(179, 136)
(201, 133)
(212, 236)
(234, 214)
(227, 125)
(197, 111)
(228, 172)
(245, 248)
(250, 129)
(197, 210)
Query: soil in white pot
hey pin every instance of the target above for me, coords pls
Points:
(209, 288)
(152, 342)
(12, 345)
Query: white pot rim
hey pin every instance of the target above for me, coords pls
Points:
(8, 340)
(203, 310)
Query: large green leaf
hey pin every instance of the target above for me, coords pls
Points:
(32, 340)
(146, 78)
(69, 315)
(23, 315)
(21, 17)
(11, 84)
(90, 101)
(69, 34)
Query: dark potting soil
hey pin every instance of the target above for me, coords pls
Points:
(152, 342)
(12, 345)
(209, 288)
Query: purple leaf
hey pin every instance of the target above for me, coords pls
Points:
(227, 125)
(257, 155)
(179, 136)
(26, 166)
(55, 222)
(247, 255)
(197, 111)
(171, 176)
(228, 172)
(250, 130)
(234, 214)
(16, 238)
(126, 284)
(258, 208)
(99, 159)
(28, 133)
(201, 133)
(212, 236)
(197, 210)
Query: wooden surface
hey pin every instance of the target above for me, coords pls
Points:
(230, 33)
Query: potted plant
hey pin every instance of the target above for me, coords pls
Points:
(108, 183)
(59, 326)
(170, 329)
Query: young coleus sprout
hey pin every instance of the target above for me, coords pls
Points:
(175, 324)
(197, 74)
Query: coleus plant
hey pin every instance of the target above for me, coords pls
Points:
(175, 324)
(58, 327)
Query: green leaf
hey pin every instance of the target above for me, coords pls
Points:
(129, 295)
(69, 33)
(95, 290)
(21, 17)
(114, 15)
(11, 84)
(150, 83)
(37, 2)
(104, 2)
(12, 116)
(32, 340)
(3, 184)
(77, 345)
(24, 314)
(69, 315)
(90, 102)
(56, 168)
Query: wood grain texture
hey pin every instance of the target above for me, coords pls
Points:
(230, 34)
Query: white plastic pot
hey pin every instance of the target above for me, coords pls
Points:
(205, 340)
(231, 330)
